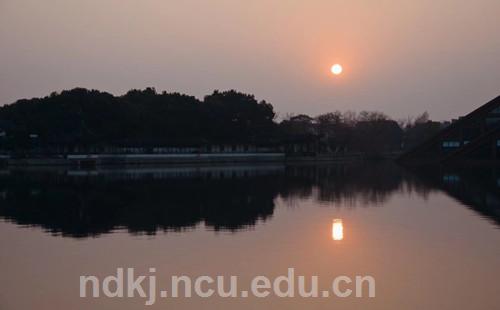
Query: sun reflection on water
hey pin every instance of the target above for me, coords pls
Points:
(337, 229)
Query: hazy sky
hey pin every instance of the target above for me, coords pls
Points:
(399, 56)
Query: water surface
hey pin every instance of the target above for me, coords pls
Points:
(430, 238)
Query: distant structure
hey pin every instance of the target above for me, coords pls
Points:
(474, 138)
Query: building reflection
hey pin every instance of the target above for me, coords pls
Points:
(337, 229)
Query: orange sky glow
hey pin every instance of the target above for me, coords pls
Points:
(400, 57)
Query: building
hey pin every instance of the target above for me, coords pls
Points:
(471, 138)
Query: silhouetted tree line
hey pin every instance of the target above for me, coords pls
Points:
(368, 132)
(92, 119)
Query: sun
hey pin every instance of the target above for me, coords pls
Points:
(336, 69)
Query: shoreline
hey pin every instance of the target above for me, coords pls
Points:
(93, 160)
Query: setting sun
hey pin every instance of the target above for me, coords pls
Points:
(336, 69)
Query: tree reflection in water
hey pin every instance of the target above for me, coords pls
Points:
(229, 198)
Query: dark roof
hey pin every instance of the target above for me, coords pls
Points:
(482, 110)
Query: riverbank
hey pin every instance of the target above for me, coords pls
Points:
(90, 160)
(86, 160)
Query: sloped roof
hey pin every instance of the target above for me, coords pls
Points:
(482, 110)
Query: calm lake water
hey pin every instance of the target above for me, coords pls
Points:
(429, 237)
